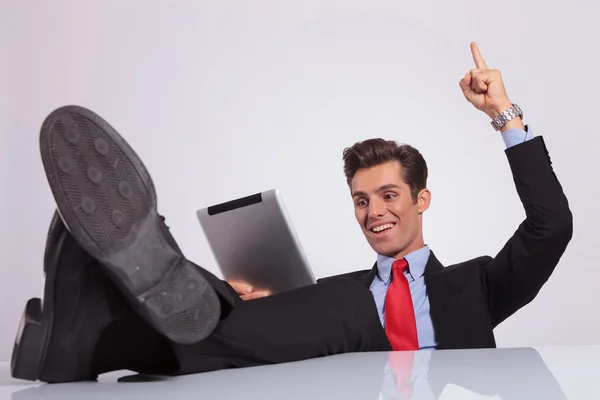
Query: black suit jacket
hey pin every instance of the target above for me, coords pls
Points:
(468, 300)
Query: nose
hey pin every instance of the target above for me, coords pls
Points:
(376, 209)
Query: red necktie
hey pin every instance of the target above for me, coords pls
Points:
(400, 323)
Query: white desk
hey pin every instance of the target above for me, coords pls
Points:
(543, 373)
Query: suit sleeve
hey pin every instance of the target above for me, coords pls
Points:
(514, 277)
(357, 275)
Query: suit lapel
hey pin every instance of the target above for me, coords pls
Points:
(433, 265)
(442, 295)
(434, 285)
(367, 278)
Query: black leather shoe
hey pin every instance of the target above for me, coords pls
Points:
(107, 201)
(83, 327)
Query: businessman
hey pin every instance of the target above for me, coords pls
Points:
(120, 294)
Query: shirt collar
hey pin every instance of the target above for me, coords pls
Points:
(416, 264)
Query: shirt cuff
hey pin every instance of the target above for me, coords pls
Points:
(513, 137)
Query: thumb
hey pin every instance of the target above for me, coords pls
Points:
(255, 295)
(465, 83)
(241, 288)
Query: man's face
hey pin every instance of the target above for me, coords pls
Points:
(385, 210)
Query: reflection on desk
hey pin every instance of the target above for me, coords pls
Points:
(518, 373)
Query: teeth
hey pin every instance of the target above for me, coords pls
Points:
(382, 227)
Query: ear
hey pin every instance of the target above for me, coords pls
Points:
(423, 200)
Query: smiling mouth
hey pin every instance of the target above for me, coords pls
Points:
(382, 228)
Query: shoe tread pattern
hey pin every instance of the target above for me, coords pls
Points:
(106, 195)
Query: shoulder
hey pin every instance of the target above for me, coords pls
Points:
(471, 263)
(471, 267)
(356, 275)
(466, 275)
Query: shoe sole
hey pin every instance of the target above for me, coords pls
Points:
(107, 200)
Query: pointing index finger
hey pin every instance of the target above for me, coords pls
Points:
(479, 61)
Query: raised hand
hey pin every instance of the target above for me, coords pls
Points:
(483, 87)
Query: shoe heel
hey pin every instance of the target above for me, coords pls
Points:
(185, 306)
(29, 343)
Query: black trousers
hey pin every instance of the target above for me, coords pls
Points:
(318, 320)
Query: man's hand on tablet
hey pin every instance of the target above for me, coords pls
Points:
(247, 292)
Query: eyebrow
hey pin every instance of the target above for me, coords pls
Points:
(378, 190)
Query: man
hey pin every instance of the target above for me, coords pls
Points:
(457, 306)
(120, 294)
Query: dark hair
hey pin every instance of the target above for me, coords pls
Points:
(373, 152)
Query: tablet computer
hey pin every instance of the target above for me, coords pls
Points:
(253, 241)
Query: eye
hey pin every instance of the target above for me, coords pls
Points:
(361, 203)
(390, 196)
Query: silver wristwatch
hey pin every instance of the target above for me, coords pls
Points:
(502, 119)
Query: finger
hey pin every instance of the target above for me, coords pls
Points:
(479, 84)
(465, 82)
(252, 296)
(241, 288)
(479, 61)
